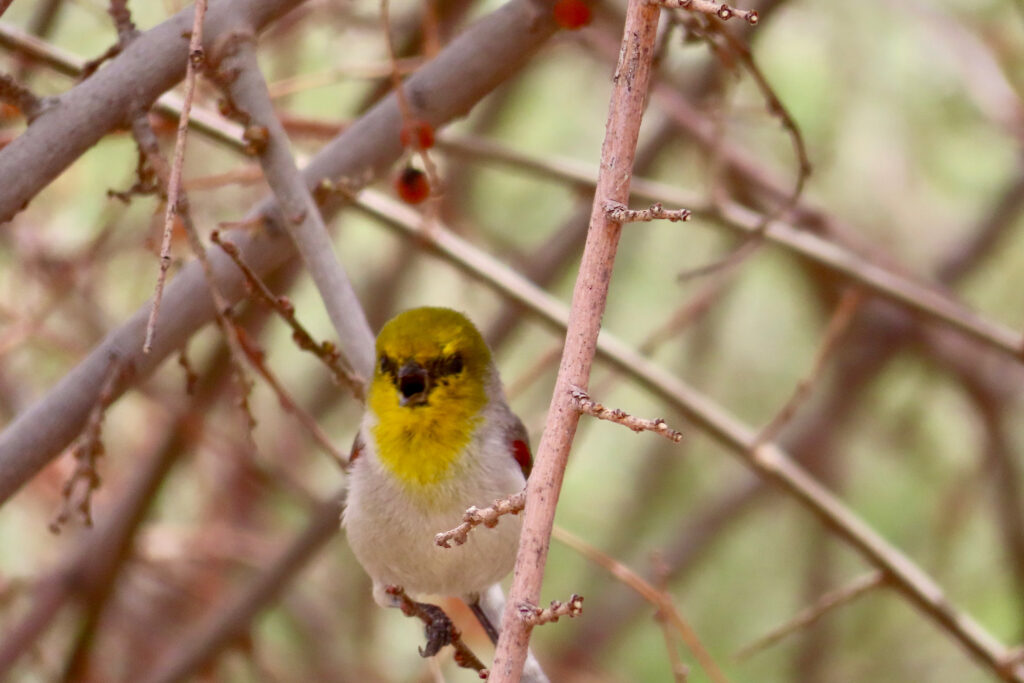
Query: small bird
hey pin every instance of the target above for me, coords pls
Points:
(437, 437)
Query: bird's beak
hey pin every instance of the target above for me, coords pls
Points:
(413, 384)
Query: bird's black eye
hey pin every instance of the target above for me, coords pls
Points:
(451, 365)
(387, 366)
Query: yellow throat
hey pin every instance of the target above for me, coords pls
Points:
(427, 393)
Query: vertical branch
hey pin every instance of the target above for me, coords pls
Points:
(632, 75)
(195, 58)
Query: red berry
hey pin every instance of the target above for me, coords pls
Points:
(572, 14)
(419, 131)
(412, 185)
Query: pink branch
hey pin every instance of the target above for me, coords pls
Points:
(632, 75)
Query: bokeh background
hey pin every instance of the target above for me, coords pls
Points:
(911, 116)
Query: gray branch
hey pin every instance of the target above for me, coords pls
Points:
(299, 211)
(75, 121)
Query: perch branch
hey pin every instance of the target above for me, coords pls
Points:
(629, 90)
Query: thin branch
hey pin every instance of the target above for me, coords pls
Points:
(256, 358)
(625, 112)
(828, 602)
(325, 351)
(620, 213)
(587, 405)
(837, 326)
(489, 516)
(658, 598)
(76, 494)
(537, 616)
(715, 9)
(195, 61)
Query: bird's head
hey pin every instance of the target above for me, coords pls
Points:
(430, 357)
(429, 387)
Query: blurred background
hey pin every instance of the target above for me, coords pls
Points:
(911, 119)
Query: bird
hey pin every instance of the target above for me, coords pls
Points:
(437, 436)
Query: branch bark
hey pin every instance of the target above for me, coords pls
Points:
(632, 75)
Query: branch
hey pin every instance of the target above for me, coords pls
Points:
(489, 516)
(173, 180)
(621, 214)
(537, 616)
(587, 405)
(715, 9)
(150, 65)
(625, 112)
(247, 89)
(325, 351)
(825, 604)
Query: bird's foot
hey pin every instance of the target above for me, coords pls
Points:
(438, 627)
(439, 630)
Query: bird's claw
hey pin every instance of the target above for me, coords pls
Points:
(439, 630)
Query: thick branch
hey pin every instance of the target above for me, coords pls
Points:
(302, 218)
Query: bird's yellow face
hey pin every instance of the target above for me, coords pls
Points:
(428, 389)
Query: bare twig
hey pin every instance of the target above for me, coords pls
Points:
(716, 9)
(625, 112)
(849, 303)
(587, 405)
(256, 358)
(325, 351)
(537, 616)
(76, 495)
(828, 602)
(13, 92)
(489, 516)
(195, 60)
(620, 213)
(658, 598)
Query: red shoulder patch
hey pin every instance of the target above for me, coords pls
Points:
(357, 450)
(521, 452)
